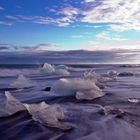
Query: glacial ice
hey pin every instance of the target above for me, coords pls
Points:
(112, 74)
(89, 94)
(92, 76)
(11, 105)
(61, 67)
(49, 115)
(22, 82)
(58, 70)
(47, 69)
(76, 87)
(62, 72)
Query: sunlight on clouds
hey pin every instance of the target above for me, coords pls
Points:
(107, 36)
(115, 11)
(108, 45)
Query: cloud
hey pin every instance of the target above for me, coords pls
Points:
(112, 44)
(89, 1)
(107, 36)
(68, 11)
(1, 8)
(77, 36)
(64, 17)
(114, 11)
(20, 48)
(44, 47)
(127, 26)
(5, 23)
(119, 15)
(61, 21)
(7, 47)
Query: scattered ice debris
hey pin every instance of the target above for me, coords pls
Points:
(49, 115)
(77, 87)
(134, 100)
(112, 74)
(22, 82)
(123, 74)
(47, 69)
(11, 105)
(91, 75)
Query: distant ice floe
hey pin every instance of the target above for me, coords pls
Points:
(22, 82)
(49, 115)
(11, 105)
(57, 70)
(88, 87)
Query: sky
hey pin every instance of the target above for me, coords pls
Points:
(69, 25)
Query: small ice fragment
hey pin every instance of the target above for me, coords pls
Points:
(133, 100)
(22, 82)
(48, 115)
(112, 74)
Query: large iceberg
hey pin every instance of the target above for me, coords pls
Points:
(81, 88)
(58, 70)
(47, 69)
(22, 82)
(49, 115)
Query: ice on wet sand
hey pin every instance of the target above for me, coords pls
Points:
(22, 82)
